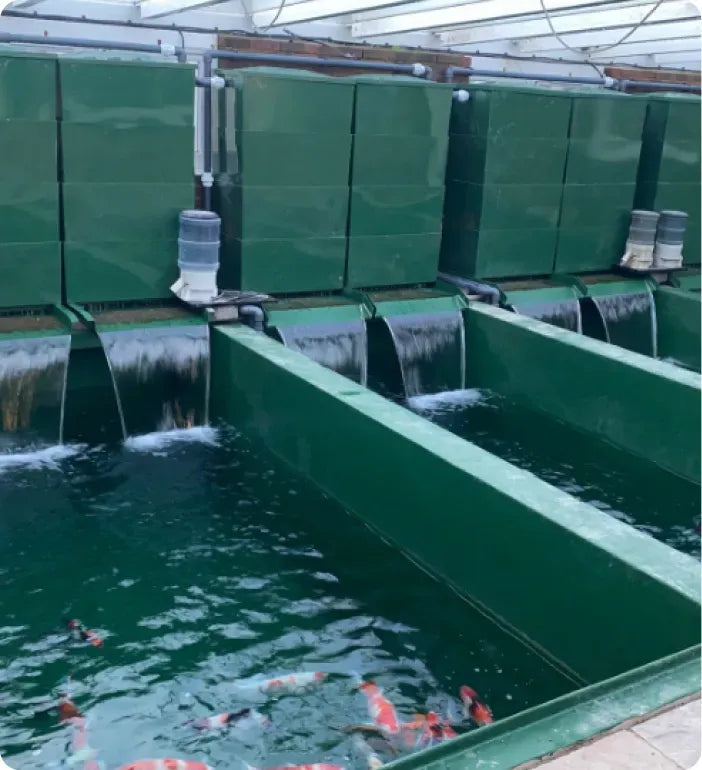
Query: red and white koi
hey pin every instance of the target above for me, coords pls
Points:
(474, 708)
(289, 684)
(381, 711)
(165, 764)
(245, 718)
(80, 633)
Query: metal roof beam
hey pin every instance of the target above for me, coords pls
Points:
(607, 37)
(465, 13)
(152, 9)
(270, 13)
(563, 23)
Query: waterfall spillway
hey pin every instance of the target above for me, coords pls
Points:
(563, 313)
(33, 386)
(161, 376)
(630, 321)
(431, 351)
(341, 346)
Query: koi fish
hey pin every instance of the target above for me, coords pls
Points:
(381, 711)
(474, 708)
(83, 634)
(165, 764)
(67, 711)
(373, 761)
(241, 718)
(290, 684)
(80, 750)
(316, 766)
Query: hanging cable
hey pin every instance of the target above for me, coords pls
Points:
(646, 17)
(249, 16)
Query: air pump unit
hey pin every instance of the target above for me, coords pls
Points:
(198, 257)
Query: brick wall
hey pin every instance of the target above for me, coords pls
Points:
(437, 60)
(660, 75)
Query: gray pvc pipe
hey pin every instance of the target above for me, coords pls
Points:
(654, 85)
(599, 81)
(106, 45)
(492, 293)
(418, 70)
(253, 316)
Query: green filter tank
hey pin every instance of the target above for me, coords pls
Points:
(400, 139)
(283, 143)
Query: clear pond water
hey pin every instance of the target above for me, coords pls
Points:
(632, 490)
(200, 560)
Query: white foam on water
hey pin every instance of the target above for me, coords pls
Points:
(448, 398)
(49, 457)
(156, 442)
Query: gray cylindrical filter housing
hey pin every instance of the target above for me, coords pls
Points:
(671, 227)
(198, 240)
(643, 227)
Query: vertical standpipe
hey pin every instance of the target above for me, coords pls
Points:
(198, 256)
(638, 252)
(669, 240)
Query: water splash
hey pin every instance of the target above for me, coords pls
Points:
(342, 346)
(564, 313)
(160, 376)
(33, 385)
(431, 349)
(630, 321)
(448, 400)
(48, 458)
(154, 443)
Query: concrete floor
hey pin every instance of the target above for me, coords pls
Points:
(669, 740)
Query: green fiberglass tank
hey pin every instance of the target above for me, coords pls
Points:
(604, 144)
(400, 138)
(30, 256)
(127, 148)
(669, 170)
(281, 179)
(504, 180)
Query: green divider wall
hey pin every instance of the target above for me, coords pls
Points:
(30, 255)
(281, 182)
(678, 319)
(400, 139)
(669, 169)
(555, 569)
(644, 406)
(127, 170)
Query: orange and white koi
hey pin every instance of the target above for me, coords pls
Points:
(246, 717)
(289, 684)
(165, 764)
(381, 711)
(80, 750)
(474, 708)
(80, 633)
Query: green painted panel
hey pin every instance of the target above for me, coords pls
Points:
(690, 280)
(612, 161)
(680, 161)
(602, 205)
(678, 314)
(504, 206)
(284, 265)
(401, 106)
(395, 210)
(586, 559)
(587, 249)
(104, 271)
(601, 116)
(29, 151)
(684, 196)
(389, 260)
(314, 310)
(30, 274)
(506, 160)
(274, 212)
(27, 87)
(294, 101)
(28, 212)
(125, 94)
(399, 160)
(124, 212)
(105, 153)
(266, 158)
(417, 300)
(498, 253)
(512, 111)
(590, 386)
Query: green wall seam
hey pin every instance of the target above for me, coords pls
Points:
(678, 315)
